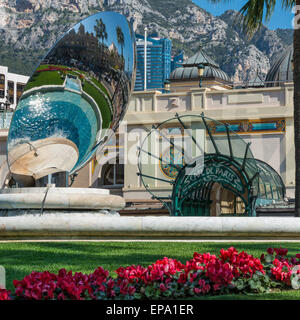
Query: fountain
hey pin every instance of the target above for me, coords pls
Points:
(70, 107)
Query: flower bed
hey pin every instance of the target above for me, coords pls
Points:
(205, 274)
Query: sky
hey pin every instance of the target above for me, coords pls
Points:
(281, 18)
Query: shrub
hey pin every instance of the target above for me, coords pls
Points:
(204, 274)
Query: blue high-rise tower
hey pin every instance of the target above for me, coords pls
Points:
(158, 62)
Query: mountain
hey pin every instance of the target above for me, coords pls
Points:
(28, 28)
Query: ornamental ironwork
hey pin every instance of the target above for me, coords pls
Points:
(203, 170)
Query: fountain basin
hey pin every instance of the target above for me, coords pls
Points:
(60, 198)
(42, 157)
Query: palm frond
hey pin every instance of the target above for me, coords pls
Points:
(255, 12)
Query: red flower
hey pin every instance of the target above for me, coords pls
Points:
(197, 290)
(293, 260)
(216, 286)
(200, 275)
(282, 271)
(281, 251)
(162, 287)
(5, 294)
(131, 290)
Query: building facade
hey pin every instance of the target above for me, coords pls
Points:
(11, 88)
(262, 116)
(158, 62)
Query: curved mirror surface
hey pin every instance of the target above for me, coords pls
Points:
(75, 99)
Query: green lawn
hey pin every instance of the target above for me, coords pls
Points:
(98, 84)
(45, 78)
(76, 72)
(21, 258)
(100, 100)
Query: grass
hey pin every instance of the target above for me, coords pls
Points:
(20, 258)
(100, 100)
(44, 79)
(98, 84)
(76, 72)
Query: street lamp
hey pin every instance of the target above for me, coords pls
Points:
(145, 58)
(167, 86)
(201, 68)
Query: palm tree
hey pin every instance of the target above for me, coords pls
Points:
(120, 38)
(100, 30)
(252, 15)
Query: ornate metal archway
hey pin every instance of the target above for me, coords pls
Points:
(198, 166)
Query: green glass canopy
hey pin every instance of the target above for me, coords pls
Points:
(198, 166)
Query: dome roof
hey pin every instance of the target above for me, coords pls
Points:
(189, 73)
(281, 70)
(256, 82)
(189, 69)
(200, 57)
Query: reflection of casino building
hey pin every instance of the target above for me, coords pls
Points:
(88, 49)
(262, 115)
(84, 51)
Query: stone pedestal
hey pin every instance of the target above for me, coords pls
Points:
(56, 199)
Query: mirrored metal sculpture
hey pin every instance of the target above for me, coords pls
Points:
(74, 100)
